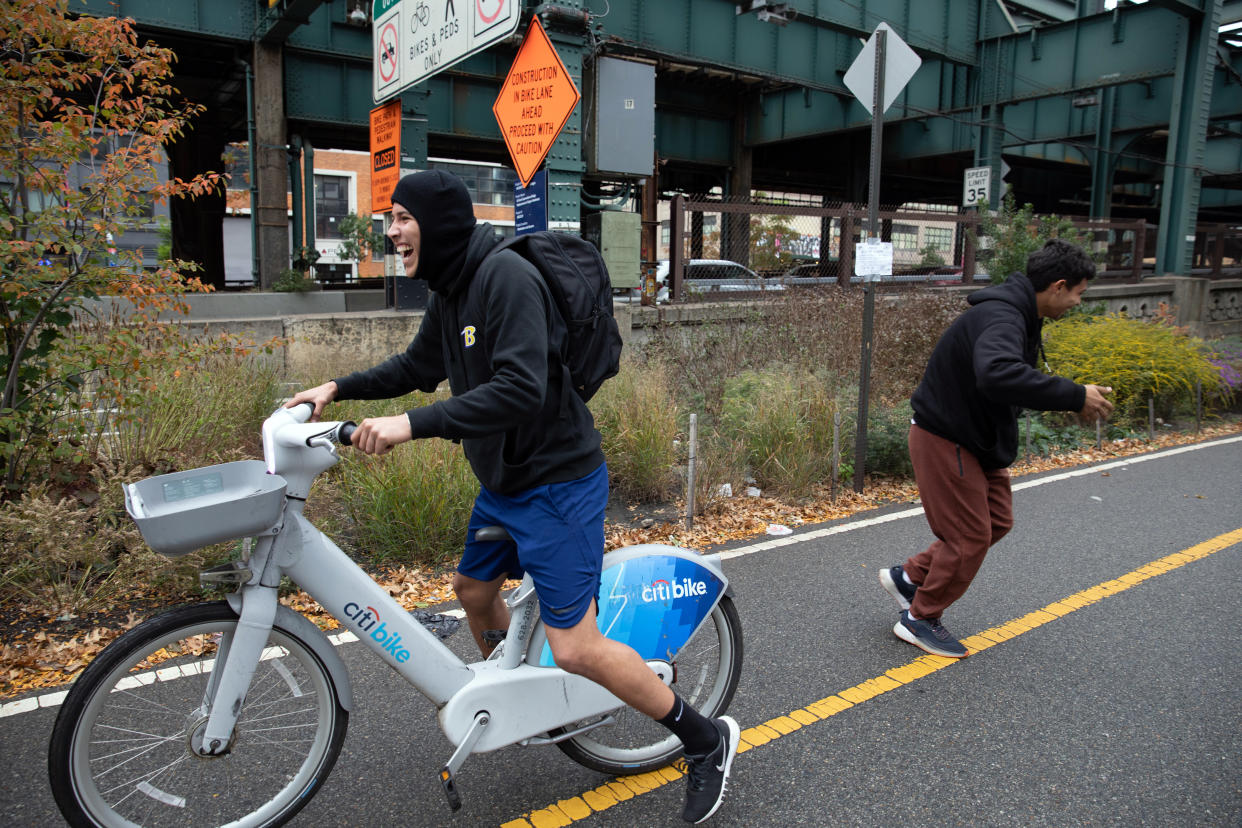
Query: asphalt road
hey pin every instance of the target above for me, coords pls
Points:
(1123, 707)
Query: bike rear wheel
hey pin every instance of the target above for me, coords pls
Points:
(120, 752)
(706, 673)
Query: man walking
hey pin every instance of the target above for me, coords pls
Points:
(964, 434)
(492, 329)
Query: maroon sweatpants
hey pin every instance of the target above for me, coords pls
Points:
(968, 508)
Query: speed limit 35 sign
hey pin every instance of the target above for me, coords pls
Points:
(976, 185)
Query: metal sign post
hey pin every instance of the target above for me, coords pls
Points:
(876, 77)
(873, 230)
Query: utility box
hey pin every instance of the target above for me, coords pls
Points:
(621, 123)
(617, 236)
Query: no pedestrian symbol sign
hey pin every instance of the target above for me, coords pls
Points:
(535, 102)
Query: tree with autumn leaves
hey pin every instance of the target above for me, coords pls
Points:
(85, 114)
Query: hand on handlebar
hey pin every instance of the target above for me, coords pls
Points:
(319, 396)
(378, 435)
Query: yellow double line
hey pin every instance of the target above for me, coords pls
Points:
(568, 811)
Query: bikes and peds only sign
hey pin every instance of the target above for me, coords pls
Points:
(414, 39)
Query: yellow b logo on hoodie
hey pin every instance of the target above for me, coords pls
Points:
(467, 335)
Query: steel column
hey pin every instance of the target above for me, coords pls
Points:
(1102, 165)
(269, 153)
(1188, 119)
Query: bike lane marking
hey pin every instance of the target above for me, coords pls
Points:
(568, 811)
(55, 698)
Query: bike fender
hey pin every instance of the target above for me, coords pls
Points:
(313, 638)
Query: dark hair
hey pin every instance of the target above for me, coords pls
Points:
(1058, 259)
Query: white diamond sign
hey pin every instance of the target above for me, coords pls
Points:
(900, 64)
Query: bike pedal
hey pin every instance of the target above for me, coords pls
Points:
(494, 636)
(450, 789)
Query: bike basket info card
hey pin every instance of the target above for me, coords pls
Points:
(654, 603)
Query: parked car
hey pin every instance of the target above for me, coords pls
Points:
(710, 276)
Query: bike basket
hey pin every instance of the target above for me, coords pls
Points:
(178, 513)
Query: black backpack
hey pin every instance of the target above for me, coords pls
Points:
(578, 279)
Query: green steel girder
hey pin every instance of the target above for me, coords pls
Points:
(326, 32)
(813, 50)
(1029, 73)
(281, 20)
(688, 137)
(1188, 120)
(1131, 43)
(1054, 9)
(229, 19)
(1222, 155)
(334, 91)
(1216, 197)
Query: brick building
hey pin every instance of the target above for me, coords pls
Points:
(342, 186)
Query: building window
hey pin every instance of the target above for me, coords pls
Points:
(236, 160)
(939, 237)
(487, 184)
(331, 205)
(905, 237)
(377, 225)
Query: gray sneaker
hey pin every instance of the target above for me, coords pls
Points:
(894, 581)
(929, 634)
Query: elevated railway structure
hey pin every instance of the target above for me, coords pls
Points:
(1127, 112)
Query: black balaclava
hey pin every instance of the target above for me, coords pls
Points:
(440, 203)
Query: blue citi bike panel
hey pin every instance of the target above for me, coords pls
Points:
(653, 603)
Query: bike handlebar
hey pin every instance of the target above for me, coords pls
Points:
(346, 433)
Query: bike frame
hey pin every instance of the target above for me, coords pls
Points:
(513, 697)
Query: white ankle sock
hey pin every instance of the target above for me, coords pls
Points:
(906, 578)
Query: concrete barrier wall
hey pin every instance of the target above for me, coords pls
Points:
(327, 338)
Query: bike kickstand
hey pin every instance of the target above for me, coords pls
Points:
(447, 781)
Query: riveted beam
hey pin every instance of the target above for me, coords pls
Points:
(1188, 119)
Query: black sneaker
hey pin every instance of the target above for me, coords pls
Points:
(706, 775)
(894, 581)
(930, 635)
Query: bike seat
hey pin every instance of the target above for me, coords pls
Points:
(492, 533)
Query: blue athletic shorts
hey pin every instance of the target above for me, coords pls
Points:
(558, 537)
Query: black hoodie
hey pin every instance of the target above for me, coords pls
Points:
(492, 331)
(982, 371)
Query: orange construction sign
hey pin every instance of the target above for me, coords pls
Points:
(385, 154)
(535, 102)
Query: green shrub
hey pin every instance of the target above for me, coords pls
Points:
(293, 281)
(72, 553)
(784, 423)
(637, 414)
(1139, 360)
(194, 415)
(888, 441)
(1053, 432)
(410, 506)
(1015, 233)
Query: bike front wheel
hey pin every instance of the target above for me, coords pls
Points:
(705, 675)
(121, 752)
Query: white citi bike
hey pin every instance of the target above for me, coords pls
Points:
(233, 712)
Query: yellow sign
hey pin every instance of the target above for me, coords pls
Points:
(535, 102)
(385, 154)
